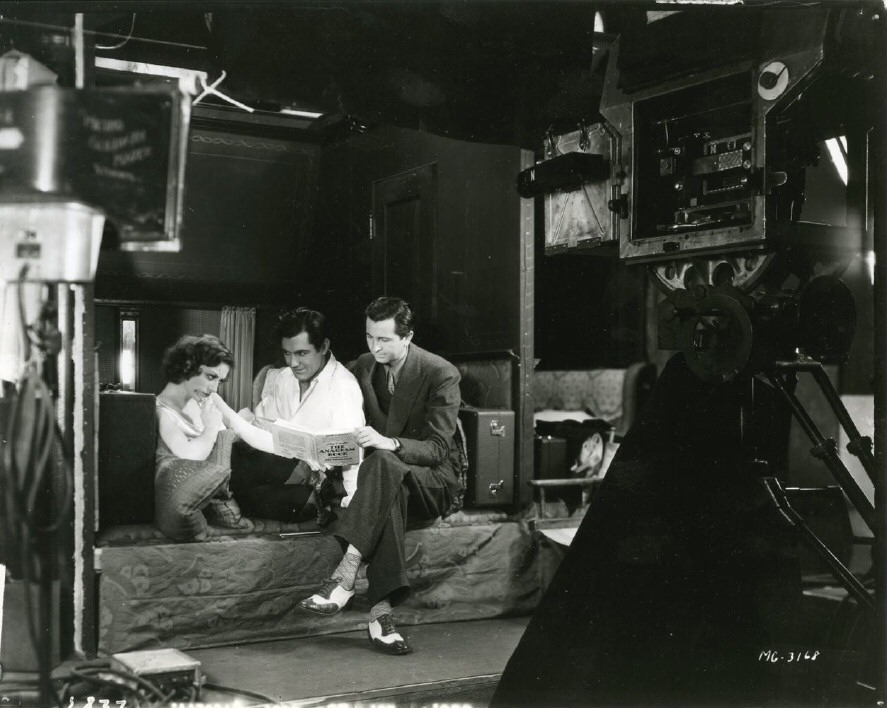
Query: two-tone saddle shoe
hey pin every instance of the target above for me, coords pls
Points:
(385, 638)
(330, 599)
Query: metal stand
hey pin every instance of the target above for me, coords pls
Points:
(839, 570)
(783, 377)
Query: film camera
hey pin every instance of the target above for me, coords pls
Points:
(732, 161)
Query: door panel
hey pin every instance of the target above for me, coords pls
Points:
(405, 242)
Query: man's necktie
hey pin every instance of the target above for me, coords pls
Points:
(390, 382)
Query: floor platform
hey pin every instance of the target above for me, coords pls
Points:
(459, 662)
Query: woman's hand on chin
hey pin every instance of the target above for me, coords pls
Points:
(219, 404)
(211, 414)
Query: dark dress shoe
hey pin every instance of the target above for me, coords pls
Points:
(325, 516)
(385, 638)
(329, 492)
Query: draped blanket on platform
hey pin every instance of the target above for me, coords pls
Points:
(230, 590)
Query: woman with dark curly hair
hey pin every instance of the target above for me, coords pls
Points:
(188, 420)
(193, 463)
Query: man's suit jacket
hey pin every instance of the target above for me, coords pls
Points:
(423, 409)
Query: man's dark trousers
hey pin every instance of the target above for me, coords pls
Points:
(399, 497)
(410, 487)
(259, 484)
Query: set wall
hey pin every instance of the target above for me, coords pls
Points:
(267, 348)
(278, 224)
(478, 258)
(591, 311)
(159, 327)
(248, 210)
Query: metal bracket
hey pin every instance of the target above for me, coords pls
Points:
(496, 429)
(841, 573)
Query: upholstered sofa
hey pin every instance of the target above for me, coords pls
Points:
(614, 395)
(240, 586)
(580, 406)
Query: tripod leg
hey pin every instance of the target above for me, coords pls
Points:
(826, 450)
(859, 445)
(839, 570)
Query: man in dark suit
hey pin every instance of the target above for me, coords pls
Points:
(411, 400)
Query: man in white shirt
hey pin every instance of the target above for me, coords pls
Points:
(312, 390)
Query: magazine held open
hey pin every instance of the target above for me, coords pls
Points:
(332, 447)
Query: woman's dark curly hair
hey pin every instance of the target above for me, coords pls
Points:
(183, 359)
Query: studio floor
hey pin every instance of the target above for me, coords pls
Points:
(458, 662)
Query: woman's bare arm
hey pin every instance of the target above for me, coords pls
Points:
(180, 444)
(253, 436)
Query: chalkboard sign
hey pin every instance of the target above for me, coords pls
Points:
(121, 150)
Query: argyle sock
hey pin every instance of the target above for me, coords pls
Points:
(382, 607)
(346, 571)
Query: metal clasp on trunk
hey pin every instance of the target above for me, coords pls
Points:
(496, 429)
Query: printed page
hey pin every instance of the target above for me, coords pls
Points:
(337, 448)
(290, 441)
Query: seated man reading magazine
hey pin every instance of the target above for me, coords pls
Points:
(314, 391)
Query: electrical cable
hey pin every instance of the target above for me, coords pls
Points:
(114, 688)
(137, 690)
(46, 25)
(35, 510)
(17, 491)
(30, 448)
(18, 520)
(132, 26)
(99, 674)
(22, 318)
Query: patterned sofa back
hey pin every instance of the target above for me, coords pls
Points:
(614, 395)
(598, 391)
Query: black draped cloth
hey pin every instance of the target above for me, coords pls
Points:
(682, 571)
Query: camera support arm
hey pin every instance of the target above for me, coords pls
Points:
(825, 448)
(858, 445)
(841, 572)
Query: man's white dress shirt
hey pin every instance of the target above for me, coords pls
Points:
(332, 401)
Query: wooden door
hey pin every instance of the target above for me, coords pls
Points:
(404, 235)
